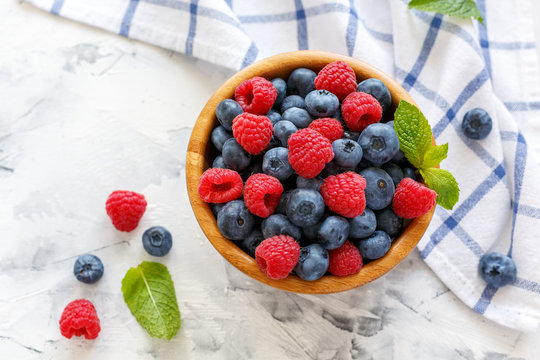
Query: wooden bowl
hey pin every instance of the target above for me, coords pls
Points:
(200, 155)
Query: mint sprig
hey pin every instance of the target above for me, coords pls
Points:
(414, 134)
(461, 8)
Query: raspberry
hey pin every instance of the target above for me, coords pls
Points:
(412, 199)
(262, 194)
(338, 78)
(220, 185)
(360, 110)
(277, 256)
(344, 194)
(80, 318)
(309, 151)
(125, 208)
(345, 260)
(328, 127)
(256, 95)
(253, 132)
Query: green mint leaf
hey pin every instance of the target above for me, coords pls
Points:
(462, 8)
(435, 155)
(413, 132)
(149, 294)
(444, 184)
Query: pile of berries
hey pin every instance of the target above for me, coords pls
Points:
(307, 178)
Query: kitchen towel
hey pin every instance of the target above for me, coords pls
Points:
(448, 65)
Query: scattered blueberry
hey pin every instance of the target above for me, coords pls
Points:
(301, 81)
(235, 221)
(312, 263)
(217, 207)
(219, 163)
(394, 171)
(409, 172)
(362, 225)
(305, 207)
(282, 130)
(219, 136)
(321, 103)
(292, 101)
(378, 90)
(273, 116)
(375, 246)
(379, 143)
(389, 222)
(226, 111)
(333, 232)
(476, 124)
(276, 163)
(351, 135)
(313, 183)
(279, 224)
(310, 233)
(88, 269)
(347, 153)
(497, 269)
(157, 241)
(299, 117)
(364, 164)
(234, 155)
(281, 87)
(282, 205)
(250, 243)
(379, 189)
(332, 168)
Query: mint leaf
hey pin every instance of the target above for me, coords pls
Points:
(444, 184)
(462, 8)
(413, 132)
(149, 294)
(435, 155)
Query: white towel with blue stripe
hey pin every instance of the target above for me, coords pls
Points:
(449, 66)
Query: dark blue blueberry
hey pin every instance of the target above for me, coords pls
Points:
(250, 243)
(254, 168)
(339, 117)
(292, 101)
(394, 171)
(281, 87)
(282, 130)
(273, 116)
(276, 163)
(88, 268)
(399, 155)
(226, 111)
(282, 205)
(379, 143)
(279, 224)
(379, 189)
(301, 82)
(235, 221)
(364, 164)
(313, 183)
(347, 153)
(218, 163)
(290, 182)
(332, 168)
(375, 246)
(351, 135)
(389, 222)
(321, 103)
(299, 117)
(219, 136)
(234, 155)
(362, 225)
(312, 263)
(157, 241)
(378, 90)
(217, 207)
(305, 207)
(409, 172)
(333, 232)
(310, 233)
(476, 124)
(497, 269)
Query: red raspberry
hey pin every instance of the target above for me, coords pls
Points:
(125, 208)
(360, 110)
(262, 194)
(277, 256)
(80, 318)
(345, 260)
(412, 199)
(328, 127)
(256, 95)
(338, 78)
(220, 185)
(344, 194)
(252, 132)
(309, 151)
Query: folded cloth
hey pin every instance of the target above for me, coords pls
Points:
(448, 65)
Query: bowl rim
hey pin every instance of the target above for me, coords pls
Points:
(196, 164)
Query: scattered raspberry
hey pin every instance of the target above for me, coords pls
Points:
(253, 132)
(345, 260)
(412, 199)
(256, 95)
(309, 151)
(80, 318)
(125, 208)
(360, 110)
(262, 194)
(344, 194)
(328, 127)
(338, 78)
(220, 185)
(277, 256)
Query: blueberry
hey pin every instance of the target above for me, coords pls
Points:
(333, 232)
(235, 221)
(313, 183)
(282, 205)
(293, 101)
(497, 269)
(301, 81)
(217, 207)
(88, 269)
(299, 117)
(219, 136)
(234, 155)
(273, 116)
(379, 143)
(254, 168)
(218, 163)
(282, 130)
(281, 87)
(312, 263)
(364, 164)
(378, 90)
(276, 163)
(347, 153)
(389, 222)
(379, 189)
(351, 135)
(311, 233)
(226, 111)
(250, 243)
(279, 224)
(476, 124)
(394, 171)
(408, 172)
(157, 241)
(332, 168)
(321, 103)
(362, 225)
(305, 207)
(375, 246)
